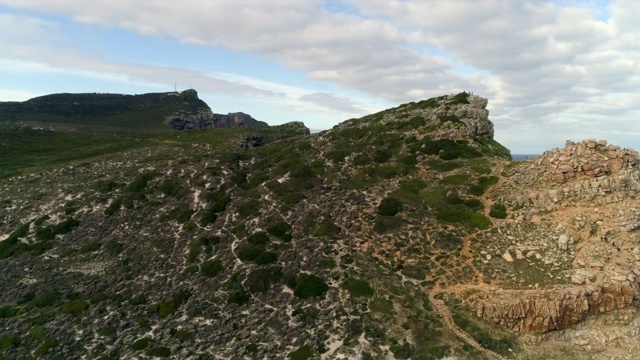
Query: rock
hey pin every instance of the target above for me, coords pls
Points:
(507, 256)
(207, 119)
(563, 242)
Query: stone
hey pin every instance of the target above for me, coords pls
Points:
(563, 242)
(507, 256)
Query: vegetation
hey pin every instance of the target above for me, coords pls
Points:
(308, 285)
(302, 353)
(498, 211)
(389, 206)
(358, 287)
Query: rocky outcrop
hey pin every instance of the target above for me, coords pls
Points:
(538, 311)
(207, 119)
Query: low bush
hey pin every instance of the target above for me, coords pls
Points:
(308, 285)
(302, 353)
(249, 251)
(159, 352)
(358, 288)
(498, 211)
(238, 297)
(413, 186)
(389, 206)
(140, 344)
(385, 224)
(211, 268)
(259, 238)
(260, 280)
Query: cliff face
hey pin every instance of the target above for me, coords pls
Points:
(538, 311)
(573, 219)
(206, 119)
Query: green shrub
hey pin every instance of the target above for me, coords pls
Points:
(249, 208)
(308, 285)
(171, 187)
(265, 258)
(457, 179)
(302, 353)
(483, 184)
(358, 288)
(138, 299)
(114, 248)
(181, 335)
(8, 312)
(461, 98)
(239, 297)
(91, 247)
(9, 341)
(389, 206)
(440, 165)
(474, 204)
(259, 238)
(498, 211)
(248, 251)
(326, 227)
(159, 352)
(207, 217)
(140, 344)
(211, 268)
(381, 305)
(413, 186)
(479, 221)
(451, 213)
(106, 331)
(46, 346)
(50, 298)
(166, 308)
(385, 224)
(382, 155)
(37, 332)
(251, 348)
(105, 186)
(180, 214)
(447, 241)
(74, 307)
(139, 183)
(260, 280)
(280, 229)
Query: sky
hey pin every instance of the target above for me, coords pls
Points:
(552, 70)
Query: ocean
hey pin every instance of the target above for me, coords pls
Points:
(522, 157)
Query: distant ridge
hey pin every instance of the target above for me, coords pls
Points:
(98, 112)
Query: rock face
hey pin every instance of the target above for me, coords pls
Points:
(537, 311)
(455, 117)
(207, 119)
(574, 213)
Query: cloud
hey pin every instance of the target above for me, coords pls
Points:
(549, 68)
(333, 101)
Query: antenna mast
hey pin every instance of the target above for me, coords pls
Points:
(175, 86)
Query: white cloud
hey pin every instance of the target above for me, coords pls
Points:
(549, 69)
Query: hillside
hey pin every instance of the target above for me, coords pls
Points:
(403, 234)
(118, 113)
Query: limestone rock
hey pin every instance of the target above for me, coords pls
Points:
(563, 242)
(507, 256)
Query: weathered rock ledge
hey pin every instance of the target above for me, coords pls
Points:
(538, 311)
(207, 119)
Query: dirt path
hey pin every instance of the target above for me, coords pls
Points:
(440, 307)
(442, 310)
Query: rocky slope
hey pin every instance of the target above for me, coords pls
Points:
(331, 245)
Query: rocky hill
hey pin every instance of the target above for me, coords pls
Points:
(404, 234)
(117, 113)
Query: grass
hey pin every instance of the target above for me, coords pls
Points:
(29, 149)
